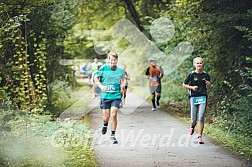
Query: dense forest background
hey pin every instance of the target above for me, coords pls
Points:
(36, 34)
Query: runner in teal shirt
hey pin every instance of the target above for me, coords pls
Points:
(111, 80)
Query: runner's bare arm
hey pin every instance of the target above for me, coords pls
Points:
(194, 88)
(208, 84)
(123, 83)
(98, 83)
(161, 72)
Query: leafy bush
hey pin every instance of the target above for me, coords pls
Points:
(60, 97)
(31, 140)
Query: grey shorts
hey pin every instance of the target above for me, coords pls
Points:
(198, 109)
(154, 89)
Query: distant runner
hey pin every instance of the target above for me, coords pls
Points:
(154, 73)
(96, 89)
(127, 77)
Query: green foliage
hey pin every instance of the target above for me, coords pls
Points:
(184, 15)
(172, 90)
(23, 55)
(36, 35)
(60, 95)
(221, 36)
(31, 37)
(230, 64)
(64, 96)
(30, 140)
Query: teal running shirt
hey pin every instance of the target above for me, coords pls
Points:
(111, 79)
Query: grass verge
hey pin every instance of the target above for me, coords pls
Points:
(240, 145)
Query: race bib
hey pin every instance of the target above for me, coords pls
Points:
(154, 81)
(199, 100)
(111, 88)
(155, 78)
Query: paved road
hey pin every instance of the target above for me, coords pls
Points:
(154, 139)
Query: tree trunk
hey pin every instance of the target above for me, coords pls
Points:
(146, 9)
(157, 4)
(162, 3)
(31, 86)
(134, 14)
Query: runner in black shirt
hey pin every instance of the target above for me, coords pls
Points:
(197, 83)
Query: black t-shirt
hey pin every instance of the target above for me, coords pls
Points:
(195, 79)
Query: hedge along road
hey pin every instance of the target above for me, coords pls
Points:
(154, 138)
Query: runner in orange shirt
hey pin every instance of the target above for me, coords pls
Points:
(154, 73)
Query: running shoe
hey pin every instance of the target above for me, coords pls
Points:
(104, 130)
(200, 141)
(153, 109)
(114, 141)
(191, 131)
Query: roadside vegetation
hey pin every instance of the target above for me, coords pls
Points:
(36, 85)
(30, 139)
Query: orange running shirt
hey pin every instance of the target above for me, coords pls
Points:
(155, 73)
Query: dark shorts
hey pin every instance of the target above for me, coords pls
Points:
(108, 103)
(155, 89)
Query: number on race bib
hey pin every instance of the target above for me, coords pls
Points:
(199, 100)
(111, 88)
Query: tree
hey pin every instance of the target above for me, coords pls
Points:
(133, 13)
